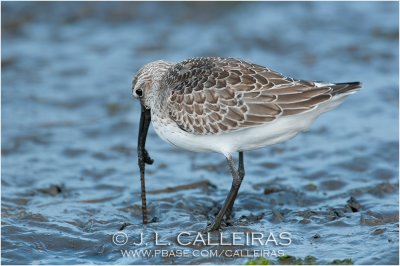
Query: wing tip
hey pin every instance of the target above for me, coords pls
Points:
(346, 87)
(353, 83)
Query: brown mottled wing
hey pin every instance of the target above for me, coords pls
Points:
(218, 95)
(303, 95)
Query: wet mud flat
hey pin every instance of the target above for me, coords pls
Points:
(70, 181)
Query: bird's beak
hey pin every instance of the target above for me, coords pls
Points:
(143, 156)
(145, 119)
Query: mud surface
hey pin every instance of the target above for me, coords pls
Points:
(70, 179)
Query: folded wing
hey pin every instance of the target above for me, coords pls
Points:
(219, 95)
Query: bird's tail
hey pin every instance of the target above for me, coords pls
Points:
(345, 88)
(339, 92)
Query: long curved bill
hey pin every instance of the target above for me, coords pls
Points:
(143, 157)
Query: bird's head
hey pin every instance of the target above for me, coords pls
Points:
(147, 80)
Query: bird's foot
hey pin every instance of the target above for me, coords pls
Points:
(211, 228)
(215, 226)
(228, 220)
(228, 217)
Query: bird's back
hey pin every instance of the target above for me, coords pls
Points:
(213, 95)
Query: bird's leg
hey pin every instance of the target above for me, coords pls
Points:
(241, 176)
(230, 199)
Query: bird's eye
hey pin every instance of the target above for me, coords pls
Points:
(139, 92)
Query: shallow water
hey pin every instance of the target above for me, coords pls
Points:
(70, 179)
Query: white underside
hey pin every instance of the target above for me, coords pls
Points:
(279, 130)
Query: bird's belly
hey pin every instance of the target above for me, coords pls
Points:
(227, 143)
(172, 134)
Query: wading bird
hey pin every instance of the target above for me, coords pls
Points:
(226, 105)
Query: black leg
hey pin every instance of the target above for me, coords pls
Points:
(230, 199)
(241, 176)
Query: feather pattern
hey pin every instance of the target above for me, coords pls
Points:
(213, 95)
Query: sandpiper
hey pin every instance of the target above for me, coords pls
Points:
(226, 105)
